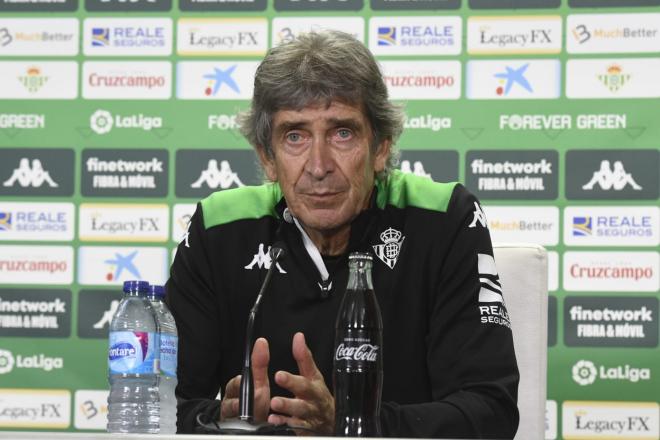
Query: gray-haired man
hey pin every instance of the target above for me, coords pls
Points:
(324, 131)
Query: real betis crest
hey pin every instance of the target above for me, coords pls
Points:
(388, 252)
(614, 79)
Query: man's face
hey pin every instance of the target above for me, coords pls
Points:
(324, 163)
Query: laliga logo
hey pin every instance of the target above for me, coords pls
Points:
(584, 372)
(6, 361)
(102, 121)
(365, 352)
(41, 361)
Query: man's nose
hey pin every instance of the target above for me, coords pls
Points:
(320, 161)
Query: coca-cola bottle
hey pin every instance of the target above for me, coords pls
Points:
(358, 361)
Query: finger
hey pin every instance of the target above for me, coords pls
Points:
(303, 356)
(233, 387)
(299, 386)
(260, 360)
(293, 422)
(228, 408)
(292, 407)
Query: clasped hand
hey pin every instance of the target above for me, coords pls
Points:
(312, 405)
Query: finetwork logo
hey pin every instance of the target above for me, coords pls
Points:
(585, 373)
(102, 122)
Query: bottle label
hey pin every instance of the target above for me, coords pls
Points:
(133, 352)
(168, 354)
(358, 348)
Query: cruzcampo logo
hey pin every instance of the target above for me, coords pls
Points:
(614, 79)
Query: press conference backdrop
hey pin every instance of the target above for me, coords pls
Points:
(116, 116)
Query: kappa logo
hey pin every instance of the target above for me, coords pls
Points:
(30, 176)
(389, 251)
(417, 168)
(479, 217)
(611, 178)
(214, 178)
(107, 315)
(262, 260)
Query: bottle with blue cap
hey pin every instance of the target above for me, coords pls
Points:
(133, 353)
(169, 344)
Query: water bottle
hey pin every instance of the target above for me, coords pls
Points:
(358, 360)
(169, 342)
(133, 403)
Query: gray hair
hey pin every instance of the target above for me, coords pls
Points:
(321, 67)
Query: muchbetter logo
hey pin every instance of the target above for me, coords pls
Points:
(102, 122)
(6, 361)
(584, 372)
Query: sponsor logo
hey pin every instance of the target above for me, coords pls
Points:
(517, 122)
(222, 5)
(364, 352)
(90, 409)
(38, 5)
(513, 4)
(389, 250)
(313, 5)
(514, 79)
(432, 35)
(123, 5)
(478, 217)
(422, 79)
(213, 80)
(10, 362)
(612, 174)
(35, 408)
(514, 35)
(95, 311)
(24, 121)
(427, 122)
(492, 309)
(237, 36)
(35, 313)
(612, 226)
(127, 173)
(127, 80)
(36, 221)
(127, 36)
(38, 80)
(107, 222)
(550, 420)
(181, 215)
(113, 265)
(36, 264)
(36, 172)
(262, 260)
(207, 171)
(530, 224)
(594, 420)
(611, 271)
(613, 33)
(102, 122)
(611, 321)
(585, 373)
(38, 36)
(608, 78)
(440, 165)
(286, 29)
(510, 174)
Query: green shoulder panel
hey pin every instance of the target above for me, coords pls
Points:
(247, 202)
(402, 190)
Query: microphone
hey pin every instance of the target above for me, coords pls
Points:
(244, 424)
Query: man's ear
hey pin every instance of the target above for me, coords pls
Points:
(382, 153)
(267, 163)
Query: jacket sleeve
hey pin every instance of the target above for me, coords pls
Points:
(470, 359)
(196, 311)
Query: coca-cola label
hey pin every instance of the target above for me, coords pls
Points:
(364, 352)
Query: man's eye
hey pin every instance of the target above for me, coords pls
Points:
(344, 133)
(293, 137)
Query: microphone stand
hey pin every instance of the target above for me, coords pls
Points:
(245, 424)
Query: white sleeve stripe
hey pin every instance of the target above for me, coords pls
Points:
(488, 296)
(486, 264)
(491, 284)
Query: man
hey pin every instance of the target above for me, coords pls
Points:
(324, 130)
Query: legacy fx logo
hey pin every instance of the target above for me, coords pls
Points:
(102, 122)
(594, 420)
(585, 372)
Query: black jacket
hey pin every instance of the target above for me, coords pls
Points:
(449, 363)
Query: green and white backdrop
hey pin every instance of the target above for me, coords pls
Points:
(116, 116)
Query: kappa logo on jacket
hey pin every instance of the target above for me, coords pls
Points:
(262, 260)
(479, 217)
(388, 252)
